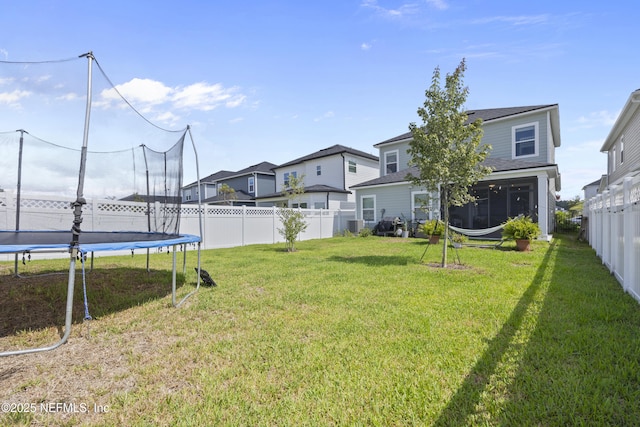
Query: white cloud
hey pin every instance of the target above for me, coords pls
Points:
(327, 115)
(206, 97)
(14, 97)
(365, 46)
(438, 4)
(145, 95)
(401, 11)
(5, 53)
(595, 119)
(139, 91)
(71, 96)
(515, 20)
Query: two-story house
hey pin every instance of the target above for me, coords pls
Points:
(524, 180)
(248, 184)
(622, 145)
(328, 175)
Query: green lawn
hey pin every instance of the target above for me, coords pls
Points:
(346, 331)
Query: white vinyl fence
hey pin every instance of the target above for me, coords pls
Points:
(614, 232)
(223, 226)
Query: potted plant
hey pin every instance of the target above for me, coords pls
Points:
(433, 229)
(523, 230)
(458, 239)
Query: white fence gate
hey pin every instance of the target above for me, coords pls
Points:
(614, 232)
(223, 226)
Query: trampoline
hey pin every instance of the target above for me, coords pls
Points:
(90, 241)
(151, 205)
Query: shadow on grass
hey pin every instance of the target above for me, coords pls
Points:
(463, 404)
(372, 260)
(37, 302)
(580, 365)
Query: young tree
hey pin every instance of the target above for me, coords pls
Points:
(228, 194)
(292, 220)
(445, 148)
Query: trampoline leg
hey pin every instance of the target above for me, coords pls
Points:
(68, 317)
(174, 273)
(173, 279)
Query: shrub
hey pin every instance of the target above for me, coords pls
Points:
(365, 232)
(458, 238)
(521, 228)
(434, 227)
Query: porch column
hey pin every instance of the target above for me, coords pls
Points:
(543, 205)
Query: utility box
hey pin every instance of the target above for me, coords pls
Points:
(355, 225)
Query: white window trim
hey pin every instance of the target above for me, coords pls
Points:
(369, 196)
(536, 140)
(622, 149)
(355, 166)
(397, 162)
(251, 184)
(318, 170)
(286, 175)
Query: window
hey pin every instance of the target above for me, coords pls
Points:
(525, 140)
(287, 175)
(390, 162)
(352, 166)
(251, 184)
(622, 149)
(319, 205)
(422, 205)
(318, 170)
(368, 208)
(299, 205)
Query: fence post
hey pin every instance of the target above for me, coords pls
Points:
(273, 217)
(628, 236)
(244, 219)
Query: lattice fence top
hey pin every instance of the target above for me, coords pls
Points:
(138, 208)
(634, 194)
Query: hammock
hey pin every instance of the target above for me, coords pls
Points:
(480, 233)
(476, 233)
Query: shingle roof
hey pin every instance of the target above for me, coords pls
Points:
(264, 167)
(498, 165)
(486, 115)
(239, 197)
(309, 189)
(330, 151)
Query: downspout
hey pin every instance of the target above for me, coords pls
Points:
(344, 174)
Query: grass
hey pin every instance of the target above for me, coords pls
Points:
(346, 331)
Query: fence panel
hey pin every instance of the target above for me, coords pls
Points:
(614, 232)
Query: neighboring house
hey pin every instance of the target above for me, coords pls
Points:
(524, 180)
(592, 189)
(328, 175)
(248, 183)
(622, 146)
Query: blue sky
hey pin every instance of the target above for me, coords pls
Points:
(275, 80)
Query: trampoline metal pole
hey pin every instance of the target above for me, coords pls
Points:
(18, 192)
(68, 318)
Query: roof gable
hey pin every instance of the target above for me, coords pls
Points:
(330, 151)
(487, 115)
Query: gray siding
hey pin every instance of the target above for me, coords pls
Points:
(499, 135)
(631, 162)
(394, 199)
(403, 156)
(266, 184)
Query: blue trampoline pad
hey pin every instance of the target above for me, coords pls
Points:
(89, 241)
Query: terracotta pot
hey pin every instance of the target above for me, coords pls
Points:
(523, 245)
(434, 240)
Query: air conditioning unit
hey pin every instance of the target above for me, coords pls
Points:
(355, 225)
